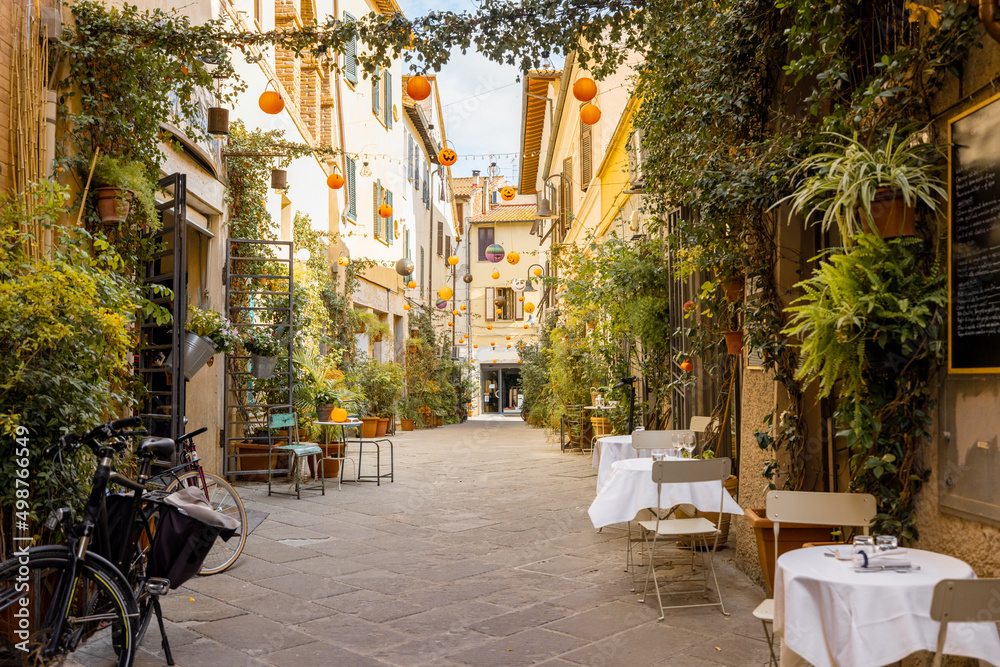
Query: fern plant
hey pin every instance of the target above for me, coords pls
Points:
(876, 295)
(844, 180)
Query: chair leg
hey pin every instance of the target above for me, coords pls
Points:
(770, 644)
(718, 591)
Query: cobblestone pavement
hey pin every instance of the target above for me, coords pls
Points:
(480, 553)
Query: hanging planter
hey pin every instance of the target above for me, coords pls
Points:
(198, 350)
(735, 288)
(279, 179)
(734, 342)
(890, 215)
(262, 368)
(113, 204)
(218, 120)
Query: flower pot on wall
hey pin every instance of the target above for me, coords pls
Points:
(197, 353)
(369, 427)
(262, 368)
(734, 342)
(113, 204)
(792, 536)
(891, 216)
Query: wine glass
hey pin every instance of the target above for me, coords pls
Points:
(687, 443)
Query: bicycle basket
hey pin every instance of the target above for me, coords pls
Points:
(187, 530)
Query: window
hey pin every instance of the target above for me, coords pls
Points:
(447, 246)
(506, 311)
(586, 140)
(440, 238)
(485, 241)
(376, 94)
(427, 186)
(384, 227)
(352, 201)
(387, 92)
(351, 55)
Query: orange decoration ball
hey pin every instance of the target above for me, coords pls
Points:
(590, 114)
(508, 346)
(537, 270)
(454, 312)
(489, 327)
(462, 307)
(508, 337)
(412, 284)
(335, 180)
(513, 257)
(406, 306)
(687, 366)
(385, 211)
(521, 299)
(475, 347)
(447, 157)
(526, 326)
(507, 193)
(585, 89)
(418, 87)
(270, 102)
(495, 275)
(450, 324)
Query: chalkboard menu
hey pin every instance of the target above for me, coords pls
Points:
(974, 240)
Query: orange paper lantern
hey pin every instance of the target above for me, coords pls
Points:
(513, 257)
(418, 87)
(450, 324)
(412, 284)
(270, 102)
(590, 114)
(495, 275)
(508, 346)
(508, 337)
(526, 326)
(335, 180)
(384, 211)
(475, 347)
(454, 312)
(507, 193)
(687, 366)
(537, 270)
(489, 327)
(585, 89)
(343, 261)
(462, 307)
(453, 260)
(529, 307)
(447, 157)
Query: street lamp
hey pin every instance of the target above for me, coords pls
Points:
(528, 286)
(545, 211)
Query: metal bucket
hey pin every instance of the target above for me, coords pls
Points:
(199, 351)
(262, 368)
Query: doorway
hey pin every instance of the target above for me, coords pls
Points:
(501, 389)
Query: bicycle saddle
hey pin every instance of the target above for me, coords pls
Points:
(159, 448)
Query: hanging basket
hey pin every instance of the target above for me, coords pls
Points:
(279, 179)
(218, 120)
(197, 353)
(113, 204)
(891, 215)
(262, 368)
(734, 342)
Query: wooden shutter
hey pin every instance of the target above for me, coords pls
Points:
(352, 206)
(440, 238)
(351, 55)
(376, 187)
(491, 308)
(518, 306)
(565, 187)
(376, 94)
(390, 222)
(586, 167)
(406, 239)
(447, 246)
(409, 157)
(387, 88)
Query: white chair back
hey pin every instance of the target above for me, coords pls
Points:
(700, 424)
(652, 439)
(695, 470)
(963, 601)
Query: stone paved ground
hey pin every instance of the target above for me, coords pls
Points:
(480, 553)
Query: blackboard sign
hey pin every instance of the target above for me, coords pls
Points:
(974, 240)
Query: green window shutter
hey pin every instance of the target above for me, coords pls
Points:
(387, 87)
(375, 197)
(376, 94)
(352, 205)
(409, 156)
(390, 222)
(351, 55)
(406, 240)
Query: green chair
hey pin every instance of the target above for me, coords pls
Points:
(295, 450)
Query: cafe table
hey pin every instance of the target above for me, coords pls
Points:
(609, 449)
(829, 615)
(344, 425)
(630, 489)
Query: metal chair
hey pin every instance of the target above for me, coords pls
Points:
(963, 601)
(818, 509)
(693, 532)
(295, 449)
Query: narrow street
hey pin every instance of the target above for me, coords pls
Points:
(480, 553)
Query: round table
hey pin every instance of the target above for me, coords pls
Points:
(609, 449)
(630, 489)
(831, 615)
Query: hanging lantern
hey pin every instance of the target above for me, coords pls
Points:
(508, 346)
(590, 114)
(507, 193)
(270, 102)
(218, 120)
(406, 306)
(508, 337)
(521, 299)
(529, 307)
(475, 347)
(526, 326)
(343, 261)
(404, 266)
(467, 278)
(441, 304)
(585, 89)
(500, 301)
(447, 157)
(687, 366)
(492, 344)
(513, 257)
(518, 285)
(385, 211)
(412, 284)
(494, 252)
(453, 260)
(335, 181)
(462, 306)
(537, 271)
(446, 292)
(418, 87)
(279, 179)
(455, 312)
(489, 327)
(450, 324)
(495, 274)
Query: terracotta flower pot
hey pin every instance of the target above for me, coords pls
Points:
(406, 424)
(113, 204)
(734, 342)
(369, 427)
(735, 288)
(891, 216)
(382, 427)
(324, 413)
(791, 537)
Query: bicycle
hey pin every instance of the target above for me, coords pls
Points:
(54, 597)
(220, 494)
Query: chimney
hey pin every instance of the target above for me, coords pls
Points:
(475, 178)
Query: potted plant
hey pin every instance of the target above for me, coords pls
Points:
(206, 332)
(121, 189)
(264, 346)
(408, 413)
(381, 384)
(734, 341)
(872, 191)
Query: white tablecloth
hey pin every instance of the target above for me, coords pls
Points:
(609, 449)
(630, 489)
(830, 615)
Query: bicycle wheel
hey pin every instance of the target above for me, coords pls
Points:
(224, 499)
(99, 611)
(137, 575)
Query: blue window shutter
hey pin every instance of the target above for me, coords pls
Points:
(351, 55)
(409, 156)
(390, 222)
(387, 87)
(375, 198)
(352, 206)
(376, 94)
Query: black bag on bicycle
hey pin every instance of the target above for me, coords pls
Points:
(187, 530)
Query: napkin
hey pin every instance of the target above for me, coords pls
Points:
(894, 558)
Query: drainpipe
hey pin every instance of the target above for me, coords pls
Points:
(987, 14)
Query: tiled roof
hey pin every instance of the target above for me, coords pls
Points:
(462, 186)
(509, 213)
(536, 86)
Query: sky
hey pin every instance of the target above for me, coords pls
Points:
(481, 100)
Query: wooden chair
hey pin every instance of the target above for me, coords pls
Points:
(277, 419)
(963, 601)
(818, 509)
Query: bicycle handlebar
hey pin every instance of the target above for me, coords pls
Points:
(100, 434)
(188, 436)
